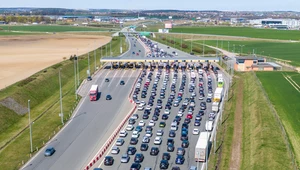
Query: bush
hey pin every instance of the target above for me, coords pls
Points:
(198, 50)
(184, 46)
(163, 38)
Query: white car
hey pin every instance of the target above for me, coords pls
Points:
(123, 133)
(160, 132)
(196, 131)
(135, 134)
(148, 107)
(129, 127)
(146, 139)
(167, 111)
(141, 123)
(151, 123)
(140, 107)
(157, 140)
(115, 150)
(148, 133)
(143, 103)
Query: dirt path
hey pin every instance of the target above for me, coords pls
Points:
(236, 155)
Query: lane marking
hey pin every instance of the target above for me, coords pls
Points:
(113, 78)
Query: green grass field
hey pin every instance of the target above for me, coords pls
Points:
(4, 33)
(285, 99)
(241, 31)
(284, 51)
(45, 102)
(50, 28)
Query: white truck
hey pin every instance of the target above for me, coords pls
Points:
(193, 74)
(218, 95)
(215, 106)
(209, 125)
(220, 76)
(202, 147)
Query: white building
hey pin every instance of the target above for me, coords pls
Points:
(276, 23)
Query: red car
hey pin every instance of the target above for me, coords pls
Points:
(189, 116)
(200, 84)
(137, 53)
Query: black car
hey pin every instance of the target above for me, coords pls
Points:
(170, 148)
(145, 116)
(164, 164)
(166, 156)
(131, 150)
(149, 128)
(184, 137)
(187, 120)
(89, 78)
(197, 123)
(172, 134)
(122, 82)
(139, 157)
(185, 144)
(154, 118)
(109, 160)
(106, 80)
(108, 97)
(164, 117)
(208, 100)
(144, 147)
(135, 166)
(154, 151)
(133, 141)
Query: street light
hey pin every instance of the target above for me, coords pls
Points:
(228, 45)
(181, 41)
(60, 96)
(233, 48)
(89, 63)
(241, 48)
(192, 44)
(77, 69)
(30, 130)
(75, 59)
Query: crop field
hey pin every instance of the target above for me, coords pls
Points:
(242, 31)
(279, 50)
(50, 28)
(285, 98)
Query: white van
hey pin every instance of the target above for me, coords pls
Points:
(174, 126)
(209, 125)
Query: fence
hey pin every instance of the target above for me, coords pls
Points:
(279, 123)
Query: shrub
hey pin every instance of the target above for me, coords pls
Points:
(184, 46)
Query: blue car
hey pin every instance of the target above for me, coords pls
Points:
(133, 52)
(49, 151)
(179, 159)
(139, 128)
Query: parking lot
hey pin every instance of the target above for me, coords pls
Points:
(166, 105)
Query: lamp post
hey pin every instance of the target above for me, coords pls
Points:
(106, 50)
(60, 97)
(192, 44)
(110, 48)
(30, 129)
(95, 59)
(241, 48)
(228, 46)
(233, 48)
(77, 69)
(203, 48)
(89, 63)
(75, 59)
(181, 41)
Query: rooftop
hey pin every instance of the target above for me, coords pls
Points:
(248, 58)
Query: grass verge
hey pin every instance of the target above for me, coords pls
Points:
(43, 91)
(49, 28)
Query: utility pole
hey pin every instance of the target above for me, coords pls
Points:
(121, 46)
(242, 48)
(89, 63)
(174, 41)
(233, 48)
(60, 96)
(95, 59)
(181, 41)
(30, 129)
(228, 46)
(110, 48)
(203, 48)
(77, 69)
(192, 44)
(75, 59)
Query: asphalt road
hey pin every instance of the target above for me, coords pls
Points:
(154, 161)
(90, 127)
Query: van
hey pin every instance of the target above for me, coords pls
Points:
(209, 125)
(174, 126)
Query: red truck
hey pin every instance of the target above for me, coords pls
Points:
(94, 93)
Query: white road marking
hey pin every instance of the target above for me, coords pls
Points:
(112, 79)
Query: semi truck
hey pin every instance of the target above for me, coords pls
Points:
(218, 94)
(215, 106)
(94, 93)
(202, 147)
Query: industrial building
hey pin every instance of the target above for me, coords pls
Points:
(253, 63)
(276, 23)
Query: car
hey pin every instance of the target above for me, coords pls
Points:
(141, 123)
(164, 117)
(196, 131)
(185, 144)
(135, 166)
(172, 134)
(125, 158)
(131, 121)
(145, 116)
(122, 82)
(115, 150)
(157, 140)
(49, 151)
(193, 168)
(129, 127)
(170, 148)
(154, 151)
(146, 139)
(108, 160)
(164, 164)
(133, 141)
(162, 124)
(180, 151)
(197, 123)
(108, 97)
(167, 111)
(135, 134)
(131, 150)
(151, 123)
(139, 157)
(135, 116)
(138, 128)
(89, 78)
(189, 116)
(187, 120)
(133, 52)
(106, 80)
(147, 168)
(166, 156)
(123, 133)
(179, 159)
(160, 132)
(148, 133)
(175, 168)
(154, 118)
(144, 147)
(184, 136)
(208, 100)
(119, 142)
(149, 128)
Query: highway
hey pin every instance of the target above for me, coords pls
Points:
(154, 161)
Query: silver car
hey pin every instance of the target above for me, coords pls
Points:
(120, 142)
(115, 150)
(125, 158)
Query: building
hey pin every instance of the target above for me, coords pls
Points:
(253, 63)
(276, 23)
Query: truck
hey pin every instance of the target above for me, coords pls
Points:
(193, 75)
(202, 147)
(220, 76)
(94, 93)
(218, 95)
(215, 106)
(209, 125)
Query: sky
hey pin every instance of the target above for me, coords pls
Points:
(225, 5)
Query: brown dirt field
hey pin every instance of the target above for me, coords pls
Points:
(22, 56)
(235, 159)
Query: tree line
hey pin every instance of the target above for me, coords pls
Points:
(25, 19)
